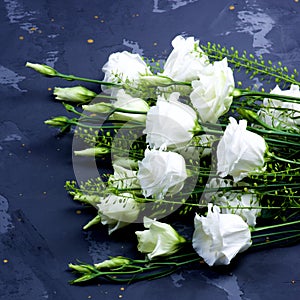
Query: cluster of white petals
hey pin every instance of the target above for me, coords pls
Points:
(160, 239)
(282, 114)
(219, 237)
(170, 127)
(161, 172)
(240, 151)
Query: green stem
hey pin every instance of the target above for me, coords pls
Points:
(275, 226)
(277, 240)
(105, 127)
(274, 233)
(72, 77)
(238, 93)
(271, 155)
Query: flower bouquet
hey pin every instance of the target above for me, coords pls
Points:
(185, 142)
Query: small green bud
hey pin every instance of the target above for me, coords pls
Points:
(83, 278)
(80, 268)
(112, 263)
(197, 128)
(94, 221)
(43, 69)
(58, 121)
(156, 80)
(96, 151)
(237, 93)
(99, 108)
(77, 94)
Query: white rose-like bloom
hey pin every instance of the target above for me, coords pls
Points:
(240, 151)
(211, 94)
(220, 237)
(118, 211)
(170, 123)
(234, 202)
(160, 239)
(124, 66)
(282, 114)
(161, 173)
(127, 102)
(186, 60)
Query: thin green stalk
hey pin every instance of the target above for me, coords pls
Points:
(274, 233)
(275, 226)
(243, 93)
(283, 159)
(277, 240)
(72, 78)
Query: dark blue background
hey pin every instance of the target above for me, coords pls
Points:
(40, 226)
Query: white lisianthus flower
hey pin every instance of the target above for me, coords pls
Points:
(118, 211)
(170, 123)
(218, 238)
(127, 102)
(240, 151)
(282, 114)
(234, 202)
(185, 61)
(124, 66)
(212, 93)
(160, 239)
(161, 173)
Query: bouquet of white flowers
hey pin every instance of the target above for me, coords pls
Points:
(185, 140)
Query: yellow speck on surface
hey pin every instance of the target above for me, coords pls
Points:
(5, 261)
(231, 7)
(296, 1)
(122, 288)
(49, 89)
(78, 211)
(33, 28)
(21, 37)
(96, 17)
(90, 41)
